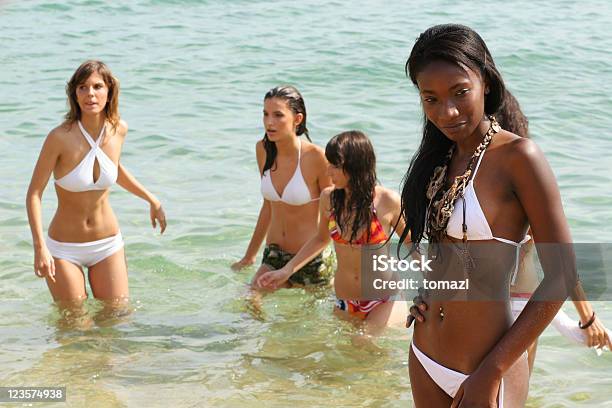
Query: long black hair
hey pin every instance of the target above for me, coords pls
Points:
(296, 104)
(353, 153)
(462, 46)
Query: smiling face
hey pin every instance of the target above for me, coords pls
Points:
(92, 94)
(279, 120)
(452, 98)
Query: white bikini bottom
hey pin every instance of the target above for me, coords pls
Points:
(447, 379)
(85, 253)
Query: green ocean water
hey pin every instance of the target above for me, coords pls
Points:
(193, 75)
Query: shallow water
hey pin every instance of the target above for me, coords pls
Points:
(193, 75)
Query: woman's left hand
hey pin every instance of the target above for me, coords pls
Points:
(157, 215)
(479, 390)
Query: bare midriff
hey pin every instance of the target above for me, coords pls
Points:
(83, 216)
(466, 334)
(468, 330)
(292, 226)
(347, 281)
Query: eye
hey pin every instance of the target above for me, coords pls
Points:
(98, 86)
(278, 115)
(463, 92)
(429, 99)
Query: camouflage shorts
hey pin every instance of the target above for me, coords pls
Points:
(316, 272)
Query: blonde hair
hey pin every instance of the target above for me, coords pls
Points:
(80, 75)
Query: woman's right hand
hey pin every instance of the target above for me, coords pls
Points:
(44, 265)
(418, 306)
(243, 263)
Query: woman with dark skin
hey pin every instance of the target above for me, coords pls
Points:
(511, 118)
(459, 87)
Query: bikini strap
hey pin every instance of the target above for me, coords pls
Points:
(88, 136)
(464, 224)
(299, 152)
(478, 164)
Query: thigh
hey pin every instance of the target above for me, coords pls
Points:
(378, 318)
(531, 352)
(109, 278)
(387, 314)
(516, 383)
(69, 285)
(425, 392)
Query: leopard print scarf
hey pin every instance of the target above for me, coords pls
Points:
(441, 201)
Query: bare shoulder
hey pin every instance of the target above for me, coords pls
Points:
(511, 145)
(260, 154)
(523, 160)
(122, 128)
(326, 192)
(388, 202)
(60, 135)
(58, 132)
(524, 148)
(259, 147)
(504, 139)
(521, 153)
(313, 153)
(515, 151)
(387, 196)
(326, 197)
(260, 150)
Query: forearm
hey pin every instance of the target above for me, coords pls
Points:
(541, 308)
(260, 232)
(309, 251)
(126, 180)
(583, 307)
(33, 205)
(530, 324)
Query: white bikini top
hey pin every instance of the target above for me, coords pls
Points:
(296, 191)
(81, 178)
(478, 228)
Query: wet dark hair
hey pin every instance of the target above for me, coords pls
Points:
(462, 46)
(511, 118)
(354, 154)
(294, 99)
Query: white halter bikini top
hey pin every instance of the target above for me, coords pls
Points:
(296, 192)
(478, 228)
(81, 178)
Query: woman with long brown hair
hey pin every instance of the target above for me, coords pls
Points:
(355, 213)
(293, 175)
(83, 155)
